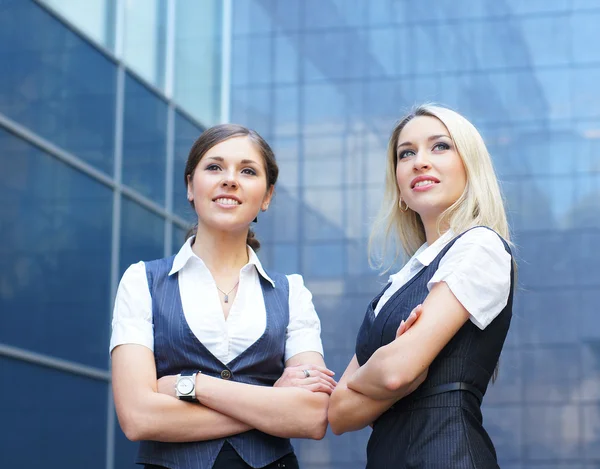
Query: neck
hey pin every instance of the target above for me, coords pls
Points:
(431, 229)
(222, 252)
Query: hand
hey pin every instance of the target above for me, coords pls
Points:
(410, 320)
(319, 379)
(166, 385)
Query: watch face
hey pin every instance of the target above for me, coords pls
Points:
(185, 386)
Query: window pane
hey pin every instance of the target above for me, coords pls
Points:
(142, 234)
(54, 256)
(145, 39)
(96, 18)
(125, 450)
(58, 420)
(186, 133)
(179, 236)
(197, 85)
(57, 84)
(144, 141)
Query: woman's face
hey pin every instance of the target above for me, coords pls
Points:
(430, 173)
(229, 185)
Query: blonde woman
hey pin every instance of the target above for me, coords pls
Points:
(431, 340)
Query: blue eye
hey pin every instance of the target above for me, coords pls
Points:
(405, 154)
(441, 146)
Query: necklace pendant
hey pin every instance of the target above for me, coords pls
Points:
(226, 299)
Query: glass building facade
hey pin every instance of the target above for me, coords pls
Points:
(97, 116)
(100, 102)
(325, 80)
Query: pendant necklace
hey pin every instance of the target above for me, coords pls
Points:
(226, 299)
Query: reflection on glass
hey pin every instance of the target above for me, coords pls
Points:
(57, 84)
(96, 18)
(144, 45)
(179, 237)
(68, 432)
(142, 234)
(54, 256)
(197, 86)
(144, 141)
(186, 133)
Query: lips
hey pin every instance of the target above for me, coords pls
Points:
(227, 200)
(423, 181)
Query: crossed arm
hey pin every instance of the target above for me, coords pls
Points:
(397, 369)
(148, 410)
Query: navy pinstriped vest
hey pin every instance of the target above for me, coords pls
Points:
(177, 349)
(442, 430)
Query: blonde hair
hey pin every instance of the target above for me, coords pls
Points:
(480, 203)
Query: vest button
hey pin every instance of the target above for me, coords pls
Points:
(226, 374)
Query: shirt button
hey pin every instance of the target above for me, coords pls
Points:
(226, 374)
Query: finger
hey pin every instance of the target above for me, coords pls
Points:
(320, 387)
(320, 368)
(323, 379)
(401, 329)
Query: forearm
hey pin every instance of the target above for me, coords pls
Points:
(287, 412)
(159, 417)
(375, 380)
(350, 410)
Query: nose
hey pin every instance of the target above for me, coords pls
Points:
(229, 180)
(421, 161)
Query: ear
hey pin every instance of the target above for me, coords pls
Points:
(190, 188)
(267, 199)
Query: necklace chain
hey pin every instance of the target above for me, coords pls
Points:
(226, 299)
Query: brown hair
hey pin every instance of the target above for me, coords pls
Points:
(218, 134)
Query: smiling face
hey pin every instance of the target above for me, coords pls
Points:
(429, 171)
(229, 185)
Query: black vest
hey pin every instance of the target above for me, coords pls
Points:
(177, 349)
(438, 426)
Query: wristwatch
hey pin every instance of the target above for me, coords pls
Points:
(185, 388)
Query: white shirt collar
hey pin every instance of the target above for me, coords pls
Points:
(424, 255)
(186, 253)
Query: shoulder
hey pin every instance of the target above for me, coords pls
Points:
(134, 272)
(482, 237)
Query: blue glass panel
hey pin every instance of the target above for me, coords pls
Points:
(144, 141)
(252, 16)
(125, 450)
(324, 109)
(551, 432)
(260, 66)
(179, 237)
(65, 428)
(383, 50)
(240, 61)
(548, 38)
(142, 234)
(323, 216)
(57, 84)
(285, 68)
(584, 87)
(285, 258)
(55, 256)
(186, 133)
(285, 110)
(504, 425)
(323, 260)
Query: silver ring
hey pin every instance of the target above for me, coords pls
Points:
(306, 373)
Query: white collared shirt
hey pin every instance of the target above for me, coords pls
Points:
(225, 339)
(476, 269)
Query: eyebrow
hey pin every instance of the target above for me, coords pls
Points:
(222, 160)
(433, 137)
